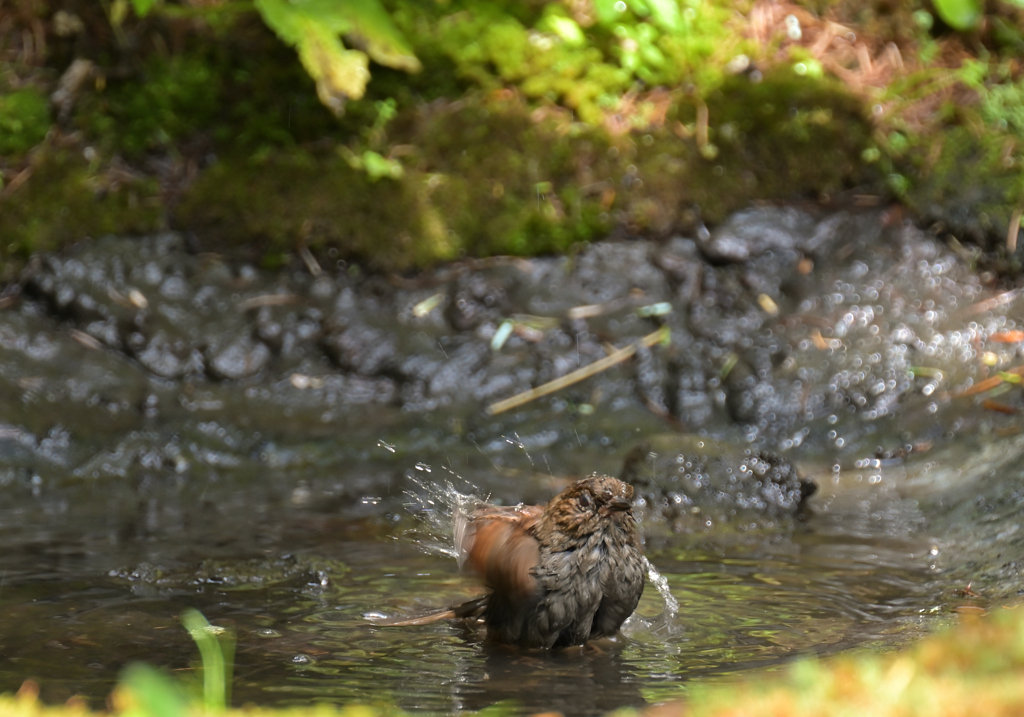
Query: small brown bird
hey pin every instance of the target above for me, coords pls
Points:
(558, 575)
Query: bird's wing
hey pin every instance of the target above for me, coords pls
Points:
(497, 543)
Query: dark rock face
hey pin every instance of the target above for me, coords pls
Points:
(693, 482)
(778, 318)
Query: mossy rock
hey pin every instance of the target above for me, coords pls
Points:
(65, 200)
(24, 120)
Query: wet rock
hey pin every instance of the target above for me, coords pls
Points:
(651, 380)
(363, 349)
(106, 332)
(17, 446)
(682, 263)
(690, 392)
(287, 570)
(357, 390)
(752, 232)
(241, 358)
(165, 358)
(459, 373)
(857, 304)
(269, 330)
(693, 482)
(610, 270)
(506, 375)
(475, 299)
(420, 367)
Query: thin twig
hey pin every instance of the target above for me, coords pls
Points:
(258, 302)
(1011, 233)
(309, 260)
(579, 374)
(988, 304)
(991, 382)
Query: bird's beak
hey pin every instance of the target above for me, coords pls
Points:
(616, 505)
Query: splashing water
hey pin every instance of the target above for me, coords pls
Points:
(435, 504)
(660, 584)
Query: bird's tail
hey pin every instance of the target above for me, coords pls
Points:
(471, 610)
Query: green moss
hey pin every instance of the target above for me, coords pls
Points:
(234, 90)
(485, 176)
(274, 202)
(24, 120)
(788, 135)
(970, 182)
(533, 126)
(170, 100)
(66, 201)
(548, 56)
(1003, 107)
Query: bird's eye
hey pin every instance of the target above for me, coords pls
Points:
(585, 501)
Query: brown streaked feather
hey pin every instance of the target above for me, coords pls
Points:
(498, 544)
(557, 575)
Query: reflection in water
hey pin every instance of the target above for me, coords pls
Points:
(601, 680)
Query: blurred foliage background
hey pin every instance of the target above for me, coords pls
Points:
(403, 132)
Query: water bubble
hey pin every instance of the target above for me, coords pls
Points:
(793, 31)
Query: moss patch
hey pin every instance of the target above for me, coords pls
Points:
(488, 176)
(24, 120)
(65, 200)
(533, 126)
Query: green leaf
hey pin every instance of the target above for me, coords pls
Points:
(217, 656)
(565, 27)
(313, 27)
(378, 167)
(374, 33)
(156, 693)
(142, 7)
(666, 14)
(959, 14)
(607, 11)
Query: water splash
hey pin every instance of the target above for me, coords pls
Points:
(518, 443)
(660, 584)
(435, 504)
